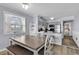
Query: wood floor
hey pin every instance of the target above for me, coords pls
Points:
(69, 47)
(64, 50)
(68, 41)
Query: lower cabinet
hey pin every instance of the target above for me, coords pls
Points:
(57, 39)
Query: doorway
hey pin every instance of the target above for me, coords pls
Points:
(67, 28)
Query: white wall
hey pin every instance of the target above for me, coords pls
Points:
(4, 39)
(76, 30)
(28, 20)
(76, 24)
(33, 26)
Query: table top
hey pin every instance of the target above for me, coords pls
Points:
(30, 41)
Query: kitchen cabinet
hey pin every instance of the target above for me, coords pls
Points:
(55, 38)
(58, 39)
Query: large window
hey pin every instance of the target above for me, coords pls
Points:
(14, 24)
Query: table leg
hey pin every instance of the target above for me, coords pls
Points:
(35, 52)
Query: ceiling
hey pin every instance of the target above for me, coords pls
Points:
(46, 9)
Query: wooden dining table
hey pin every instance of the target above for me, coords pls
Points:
(32, 43)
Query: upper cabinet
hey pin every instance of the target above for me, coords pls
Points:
(54, 27)
(42, 24)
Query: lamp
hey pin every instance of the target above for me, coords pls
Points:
(52, 18)
(25, 5)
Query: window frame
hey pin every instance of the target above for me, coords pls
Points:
(7, 14)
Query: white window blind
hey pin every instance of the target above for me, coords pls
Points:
(14, 24)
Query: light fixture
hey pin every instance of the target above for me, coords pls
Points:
(52, 18)
(25, 5)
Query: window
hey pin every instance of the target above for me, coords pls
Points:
(14, 24)
(57, 28)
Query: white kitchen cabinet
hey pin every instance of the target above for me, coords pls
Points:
(55, 38)
(58, 39)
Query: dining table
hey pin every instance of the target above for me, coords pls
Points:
(32, 43)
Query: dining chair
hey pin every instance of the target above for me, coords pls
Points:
(48, 46)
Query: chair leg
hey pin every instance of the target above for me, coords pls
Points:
(10, 42)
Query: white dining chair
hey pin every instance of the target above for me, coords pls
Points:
(48, 46)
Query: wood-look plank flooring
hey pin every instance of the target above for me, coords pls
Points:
(68, 41)
(69, 47)
(64, 50)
